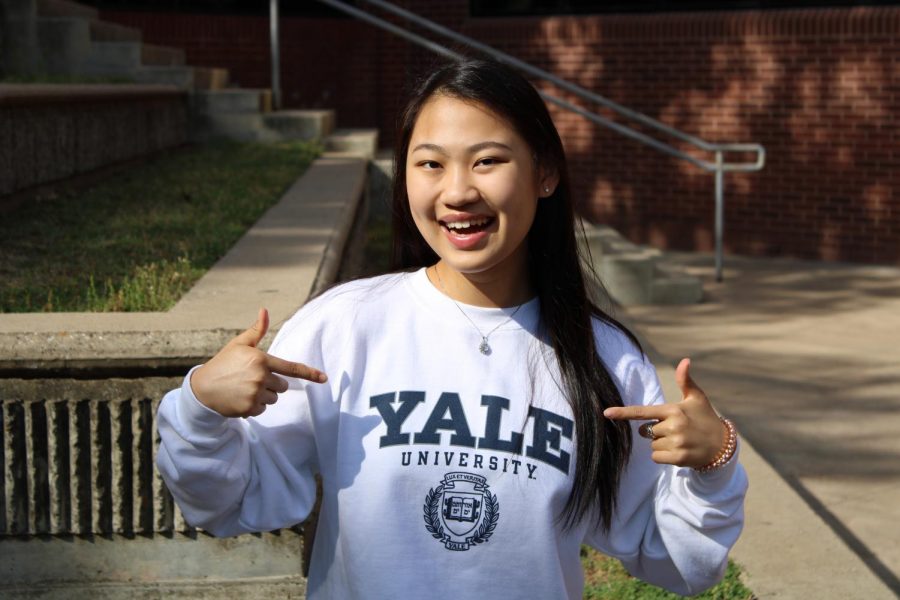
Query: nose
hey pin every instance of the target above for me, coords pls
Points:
(459, 189)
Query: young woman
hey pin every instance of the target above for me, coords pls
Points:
(476, 424)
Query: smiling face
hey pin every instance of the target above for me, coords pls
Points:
(473, 190)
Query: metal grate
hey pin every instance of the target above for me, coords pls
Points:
(82, 465)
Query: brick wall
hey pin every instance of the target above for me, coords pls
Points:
(819, 88)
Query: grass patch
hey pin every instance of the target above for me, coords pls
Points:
(378, 247)
(606, 579)
(138, 241)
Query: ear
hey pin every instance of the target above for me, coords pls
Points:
(548, 182)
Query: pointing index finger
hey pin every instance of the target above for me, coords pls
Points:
(636, 413)
(294, 369)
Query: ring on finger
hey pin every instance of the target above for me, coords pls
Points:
(646, 430)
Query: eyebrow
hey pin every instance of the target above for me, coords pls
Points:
(471, 149)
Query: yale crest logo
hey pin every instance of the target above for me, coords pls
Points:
(461, 511)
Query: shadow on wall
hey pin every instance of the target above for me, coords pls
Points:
(825, 107)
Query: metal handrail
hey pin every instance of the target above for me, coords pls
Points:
(719, 166)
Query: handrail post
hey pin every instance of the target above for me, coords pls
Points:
(720, 212)
(276, 62)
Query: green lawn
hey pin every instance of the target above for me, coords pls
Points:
(139, 240)
(606, 579)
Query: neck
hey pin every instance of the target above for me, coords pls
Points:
(482, 289)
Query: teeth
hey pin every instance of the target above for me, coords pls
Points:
(467, 224)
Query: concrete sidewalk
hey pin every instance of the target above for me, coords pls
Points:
(805, 358)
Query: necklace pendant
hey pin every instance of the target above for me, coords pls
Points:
(484, 348)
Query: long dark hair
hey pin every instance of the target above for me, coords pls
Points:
(555, 270)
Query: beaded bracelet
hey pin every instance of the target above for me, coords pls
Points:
(726, 452)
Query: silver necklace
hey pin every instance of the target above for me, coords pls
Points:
(484, 347)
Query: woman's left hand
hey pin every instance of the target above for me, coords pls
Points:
(688, 433)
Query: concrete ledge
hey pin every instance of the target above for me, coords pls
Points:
(635, 274)
(243, 100)
(301, 124)
(178, 566)
(52, 132)
(42, 94)
(65, 44)
(276, 264)
(361, 141)
(163, 56)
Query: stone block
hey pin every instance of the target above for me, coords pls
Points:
(627, 276)
(161, 56)
(210, 78)
(229, 101)
(19, 46)
(301, 124)
(65, 44)
(598, 238)
(675, 289)
(103, 31)
(113, 56)
(362, 142)
(65, 8)
(243, 127)
(179, 566)
(182, 77)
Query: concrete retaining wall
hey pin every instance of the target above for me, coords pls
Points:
(83, 512)
(51, 132)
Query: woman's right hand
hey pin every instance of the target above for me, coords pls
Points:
(242, 380)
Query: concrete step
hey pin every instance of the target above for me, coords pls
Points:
(103, 31)
(634, 274)
(182, 77)
(628, 276)
(363, 142)
(675, 289)
(65, 44)
(231, 101)
(179, 566)
(113, 56)
(161, 56)
(242, 127)
(210, 78)
(191, 78)
(262, 127)
(65, 8)
(301, 124)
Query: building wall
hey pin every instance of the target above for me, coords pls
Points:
(818, 88)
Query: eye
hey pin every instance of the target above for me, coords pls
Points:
(429, 165)
(487, 161)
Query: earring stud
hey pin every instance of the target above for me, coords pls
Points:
(546, 190)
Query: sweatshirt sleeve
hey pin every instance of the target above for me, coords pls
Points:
(673, 526)
(232, 476)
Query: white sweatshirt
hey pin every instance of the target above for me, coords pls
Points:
(445, 471)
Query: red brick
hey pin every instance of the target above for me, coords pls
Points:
(676, 67)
